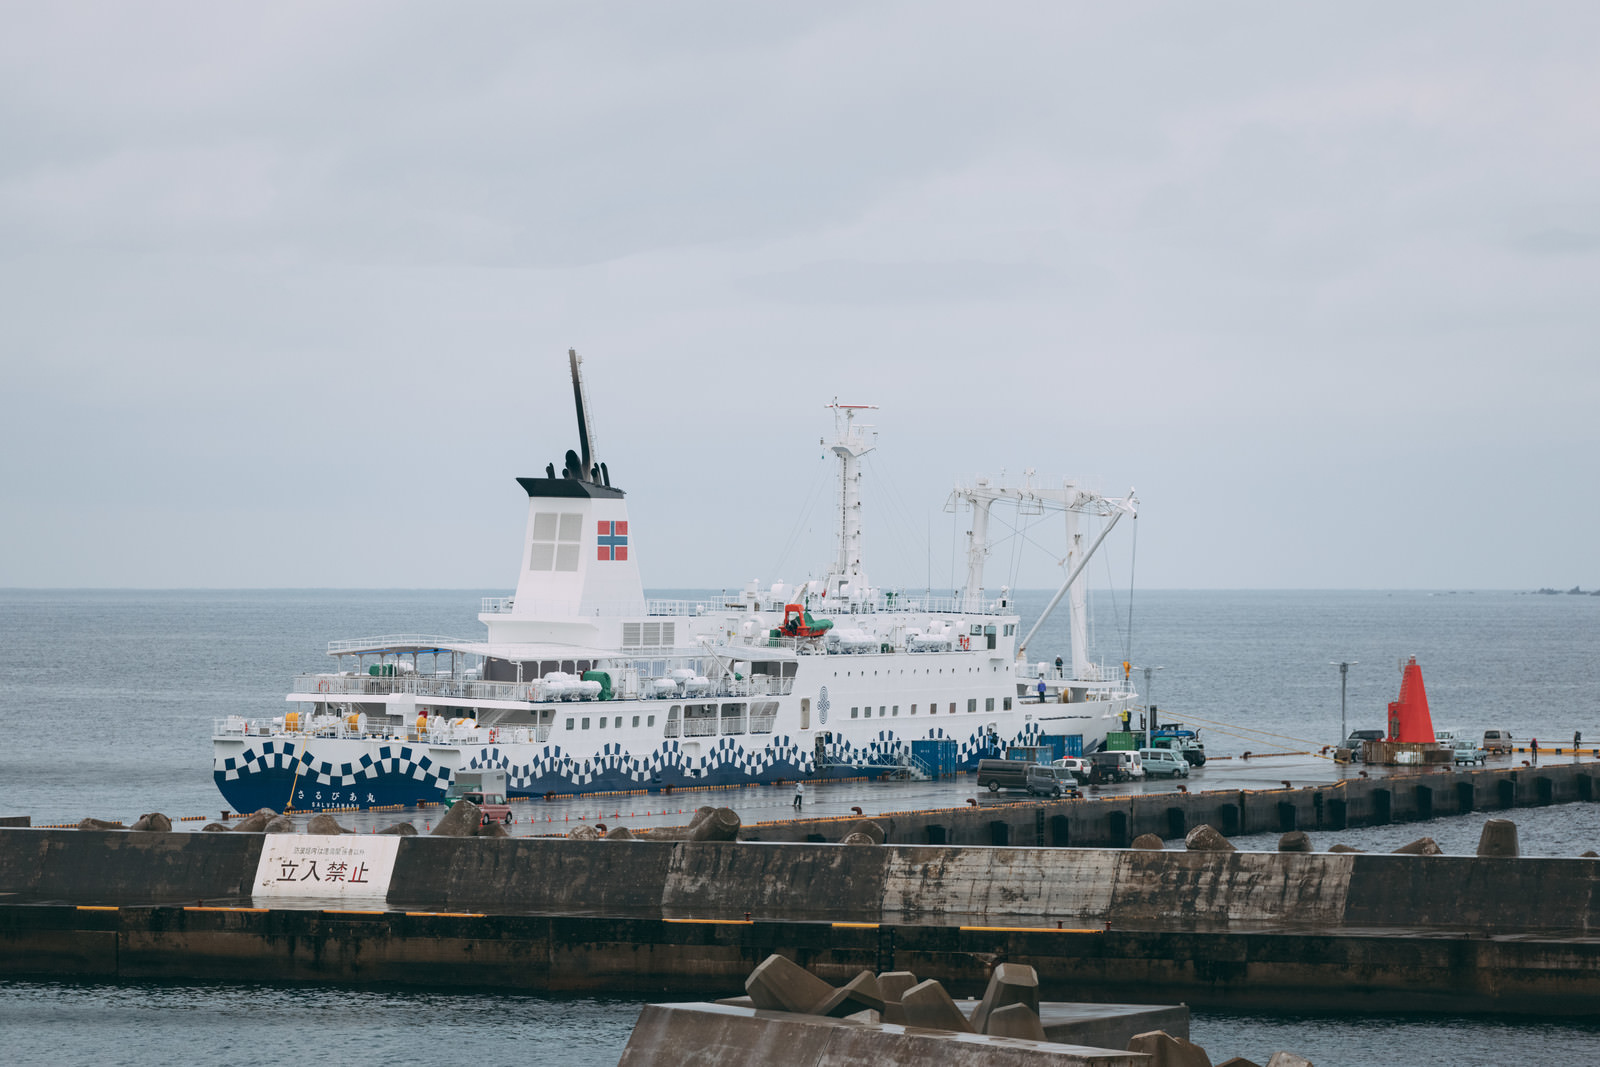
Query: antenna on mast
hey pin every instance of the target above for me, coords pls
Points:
(581, 463)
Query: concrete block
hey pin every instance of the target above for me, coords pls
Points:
(1238, 1061)
(927, 1005)
(715, 1035)
(858, 839)
(254, 823)
(1204, 838)
(462, 820)
(1009, 983)
(1288, 1059)
(721, 825)
(868, 827)
(1109, 1025)
(1589, 855)
(323, 823)
(780, 984)
(213, 827)
(491, 829)
(1016, 1020)
(893, 984)
(1422, 846)
(1295, 841)
(866, 1015)
(1148, 843)
(154, 821)
(402, 829)
(100, 824)
(1345, 848)
(1165, 1050)
(1499, 838)
(279, 824)
(582, 833)
(620, 833)
(861, 993)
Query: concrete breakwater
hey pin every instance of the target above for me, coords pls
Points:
(1113, 821)
(1265, 929)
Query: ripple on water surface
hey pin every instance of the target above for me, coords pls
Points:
(146, 1024)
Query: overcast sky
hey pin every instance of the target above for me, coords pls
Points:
(286, 289)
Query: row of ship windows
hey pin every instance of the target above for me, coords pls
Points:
(616, 718)
(970, 670)
(887, 711)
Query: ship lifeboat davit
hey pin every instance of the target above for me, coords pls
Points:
(1409, 720)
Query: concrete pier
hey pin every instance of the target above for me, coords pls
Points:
(1261, 929)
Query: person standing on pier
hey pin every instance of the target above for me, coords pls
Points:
(1533, 747)
(799, 795)
(1577, 739)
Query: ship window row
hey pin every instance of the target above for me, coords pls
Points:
(583, 724)
(886, 711)
(970, 670)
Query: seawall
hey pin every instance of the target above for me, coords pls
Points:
(1113, 821)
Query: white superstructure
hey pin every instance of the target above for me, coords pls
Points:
(582, 684)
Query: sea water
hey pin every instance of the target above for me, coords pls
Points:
(107, 700)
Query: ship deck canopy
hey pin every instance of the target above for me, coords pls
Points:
(418, 644)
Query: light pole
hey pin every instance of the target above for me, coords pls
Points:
(1149, 709)
(1344, 673)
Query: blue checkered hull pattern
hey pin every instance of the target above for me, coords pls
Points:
(536, 769)
(279, 772)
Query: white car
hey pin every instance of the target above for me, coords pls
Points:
(1163, 763)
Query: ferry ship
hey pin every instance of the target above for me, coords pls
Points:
(582, 684)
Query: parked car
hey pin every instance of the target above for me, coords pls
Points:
(1077, 765)
(1051, 781)
(492, 805)
(1163, 763)
(1357, 737)
(1497, 742)
(1469, 752)
(998, 774)
(1117, 766)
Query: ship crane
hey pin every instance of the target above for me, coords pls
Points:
(1072, 500)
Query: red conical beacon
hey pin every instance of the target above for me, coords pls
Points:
(1408, 717)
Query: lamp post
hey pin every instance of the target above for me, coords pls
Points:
(1149, 709)
(1344, 673)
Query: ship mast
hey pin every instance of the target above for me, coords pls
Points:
(851, 442)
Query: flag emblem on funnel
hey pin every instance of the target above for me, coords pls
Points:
(613, 540)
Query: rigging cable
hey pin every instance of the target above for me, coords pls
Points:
(1133, 561)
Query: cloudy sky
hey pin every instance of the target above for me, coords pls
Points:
(286, 289)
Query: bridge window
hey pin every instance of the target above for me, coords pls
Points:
(569, 724)
(585, 723)
(972, 706)
(988, 703)
(651, 721)
(602, 722)
(855, 712)
(1007, 701)
(896, 710)
(636, 720)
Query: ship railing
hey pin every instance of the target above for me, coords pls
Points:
(423, 685)
(733, 724)
(706, 727)
(672, 729)
(762, 724)
(884, 602)
(310, 726)
(390, 643)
